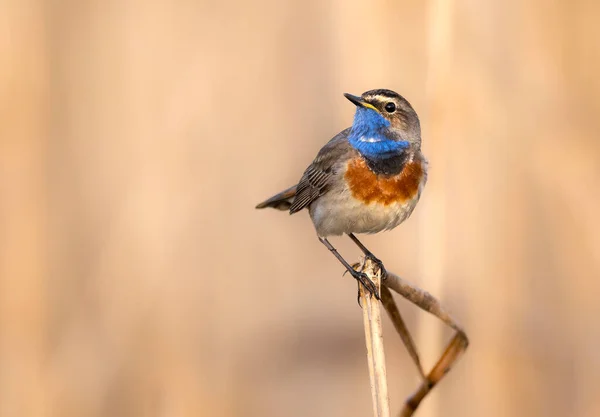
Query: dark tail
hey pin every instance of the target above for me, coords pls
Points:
(281, 201)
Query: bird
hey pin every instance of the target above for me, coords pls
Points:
(367, 179)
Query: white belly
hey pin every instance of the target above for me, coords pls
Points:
(336, 213)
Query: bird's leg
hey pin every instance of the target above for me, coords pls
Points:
(359, 276)
(454, 349)
(369, 255)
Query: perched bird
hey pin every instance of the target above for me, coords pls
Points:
(367, 179)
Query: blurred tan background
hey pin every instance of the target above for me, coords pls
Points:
(136, 278)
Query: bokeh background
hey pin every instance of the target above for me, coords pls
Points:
(136, 278)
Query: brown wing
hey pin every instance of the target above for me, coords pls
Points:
(315, 181)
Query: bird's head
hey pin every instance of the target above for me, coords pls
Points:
(384, 124)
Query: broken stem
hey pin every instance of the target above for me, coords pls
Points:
(374, 340)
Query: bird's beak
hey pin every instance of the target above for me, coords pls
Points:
(358, 101)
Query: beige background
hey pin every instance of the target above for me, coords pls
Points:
(136, 279)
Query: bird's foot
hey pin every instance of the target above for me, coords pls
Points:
(366, 282)
(379, 264)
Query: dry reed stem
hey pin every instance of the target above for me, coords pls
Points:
(374, 337)
(426, 301)
(454, 350)
(374, 341)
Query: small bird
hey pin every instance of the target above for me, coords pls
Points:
(367, 179)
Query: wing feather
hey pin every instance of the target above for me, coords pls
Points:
(315, 180)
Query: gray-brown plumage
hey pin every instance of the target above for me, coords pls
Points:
(366, 179)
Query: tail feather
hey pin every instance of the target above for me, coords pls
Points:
(281, 201)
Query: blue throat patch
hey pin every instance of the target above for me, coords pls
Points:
(368, 136)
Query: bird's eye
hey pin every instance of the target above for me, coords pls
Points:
(390, 107)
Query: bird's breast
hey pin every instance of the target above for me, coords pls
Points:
(369, 187)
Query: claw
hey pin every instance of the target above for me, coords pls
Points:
(367, 283)
(379, 264)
